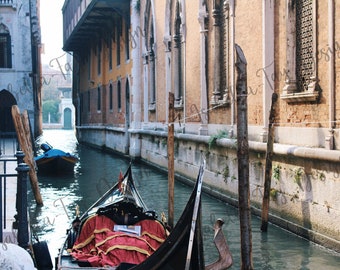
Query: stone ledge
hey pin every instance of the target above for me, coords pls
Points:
(300, 97)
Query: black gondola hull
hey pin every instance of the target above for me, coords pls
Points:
(173, 252)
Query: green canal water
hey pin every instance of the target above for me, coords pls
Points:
(97, 171)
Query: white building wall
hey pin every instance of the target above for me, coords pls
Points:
(17, 79)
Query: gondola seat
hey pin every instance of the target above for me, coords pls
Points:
(100, 244)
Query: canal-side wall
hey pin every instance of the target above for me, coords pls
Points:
(305, 181)
(109, 138)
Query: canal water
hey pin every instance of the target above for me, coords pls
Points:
(97, 171)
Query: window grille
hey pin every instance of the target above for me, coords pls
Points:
(304, 43)
(301, 66)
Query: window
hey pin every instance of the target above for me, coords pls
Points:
(110, 53)
(5, 48)
(304, 44)
(99, 57)
(301, 62)
(111, 97)
(221, 16)
(119, 32)
(119, 96)
(99, 99)
(127, 43)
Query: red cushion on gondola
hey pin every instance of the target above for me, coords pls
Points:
(99, 245)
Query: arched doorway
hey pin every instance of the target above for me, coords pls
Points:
(7, 100)
(67, 118)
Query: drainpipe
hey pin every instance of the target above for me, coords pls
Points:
(35, 75)
(183, 29)
(267, 70)
(330, 138)
(203, 130)
(232, 66)
(167, 60)
(135, 82)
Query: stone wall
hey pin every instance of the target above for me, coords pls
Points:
(304, 185)
(305, 181)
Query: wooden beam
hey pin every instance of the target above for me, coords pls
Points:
(268, 170)
(21, 124)
(243, 161)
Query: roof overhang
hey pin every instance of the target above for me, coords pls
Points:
(97, 22)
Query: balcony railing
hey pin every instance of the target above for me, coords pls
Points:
(8, 3)
(87, 18)
(72, 12)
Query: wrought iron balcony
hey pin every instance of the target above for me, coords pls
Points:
(86, 20)
(8, 3)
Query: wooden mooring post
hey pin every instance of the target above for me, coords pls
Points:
(243, 161)
(268, 169)
(171, 157)
(23, 134)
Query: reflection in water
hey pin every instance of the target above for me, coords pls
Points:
(97, 171)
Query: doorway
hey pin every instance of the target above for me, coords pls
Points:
(7, 100)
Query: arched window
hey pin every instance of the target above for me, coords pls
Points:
(301, 62)
(118, 35)
(111, 97)
(119, 96)
(99, 58)
(110, 53)
(99, 99)
(127, 42)
(5, 47)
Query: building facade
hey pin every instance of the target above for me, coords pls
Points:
(66, 108)
(129, 55)
(20, 68)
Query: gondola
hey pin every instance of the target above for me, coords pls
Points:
(55, 161)
(119, 232)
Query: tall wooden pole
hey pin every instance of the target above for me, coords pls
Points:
(268, 171)
(243, 161)
(171, 156)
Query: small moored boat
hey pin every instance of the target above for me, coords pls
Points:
(55, 161)
(119, 232)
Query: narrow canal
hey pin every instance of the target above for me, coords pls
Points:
(97, 171)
